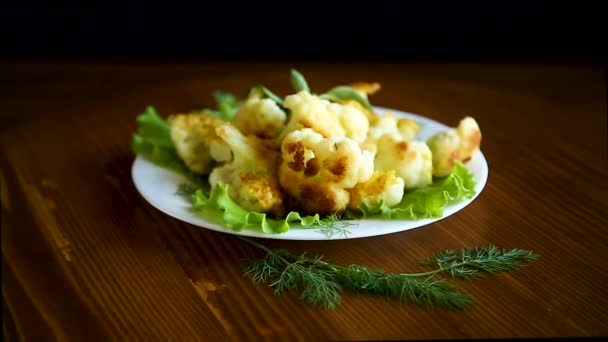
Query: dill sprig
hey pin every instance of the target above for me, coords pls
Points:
(470, 263)
(287, 271)
(403, 286)
(333, 225)
(321, 283)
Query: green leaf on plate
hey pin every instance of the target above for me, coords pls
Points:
(220, 208)
(266, 93)
(344, 93)
(227, 105)
(153, 141)
(298, 81)
(427, 202)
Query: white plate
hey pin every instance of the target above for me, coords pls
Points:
(158, 185)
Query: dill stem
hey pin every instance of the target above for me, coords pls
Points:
(437, 271)
(258, 245)
(422, 274)
(264, 248)
(336, 268)
(411, 275)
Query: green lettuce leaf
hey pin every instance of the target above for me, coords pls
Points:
(227, 105)
(427, 202)
(153, 141)
(218, 207)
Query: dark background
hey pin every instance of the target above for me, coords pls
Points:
(324, 30)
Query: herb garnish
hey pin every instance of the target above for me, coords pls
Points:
(320, 283)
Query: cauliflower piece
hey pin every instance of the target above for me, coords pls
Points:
(324, 117)
(194, 137)
(455, 144)
(365, 89)
(251, 174)
(390, 124)
(353, 120)
(382, 186)
(317, 171)
(445, 147)
(407, 128)
(259, 117)
(310, 111)
(411, 160)
(371, 116)
(470, 137)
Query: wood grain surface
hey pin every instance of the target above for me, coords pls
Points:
(85, 257)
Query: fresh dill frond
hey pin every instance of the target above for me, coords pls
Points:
(404, 287)
(287, 272)
(314, 279)
(266, 268)
(319, 287)
(321, 283)
(470, 263)
(440, 259)
(439, 293)
(333, 225)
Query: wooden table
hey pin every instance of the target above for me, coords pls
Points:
(86, 258)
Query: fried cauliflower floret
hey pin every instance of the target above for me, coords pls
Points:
(455, 144)
(317, 171)
(353, 120)
(260, 117)
(194, 137)
(251, 175)
(370, 115)
(324, 117)
(411, 160)
(407, 128)
(365, 89)
(310, 111)
(382, 186)
(470, 137)
(390, 124)
(445, 147)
